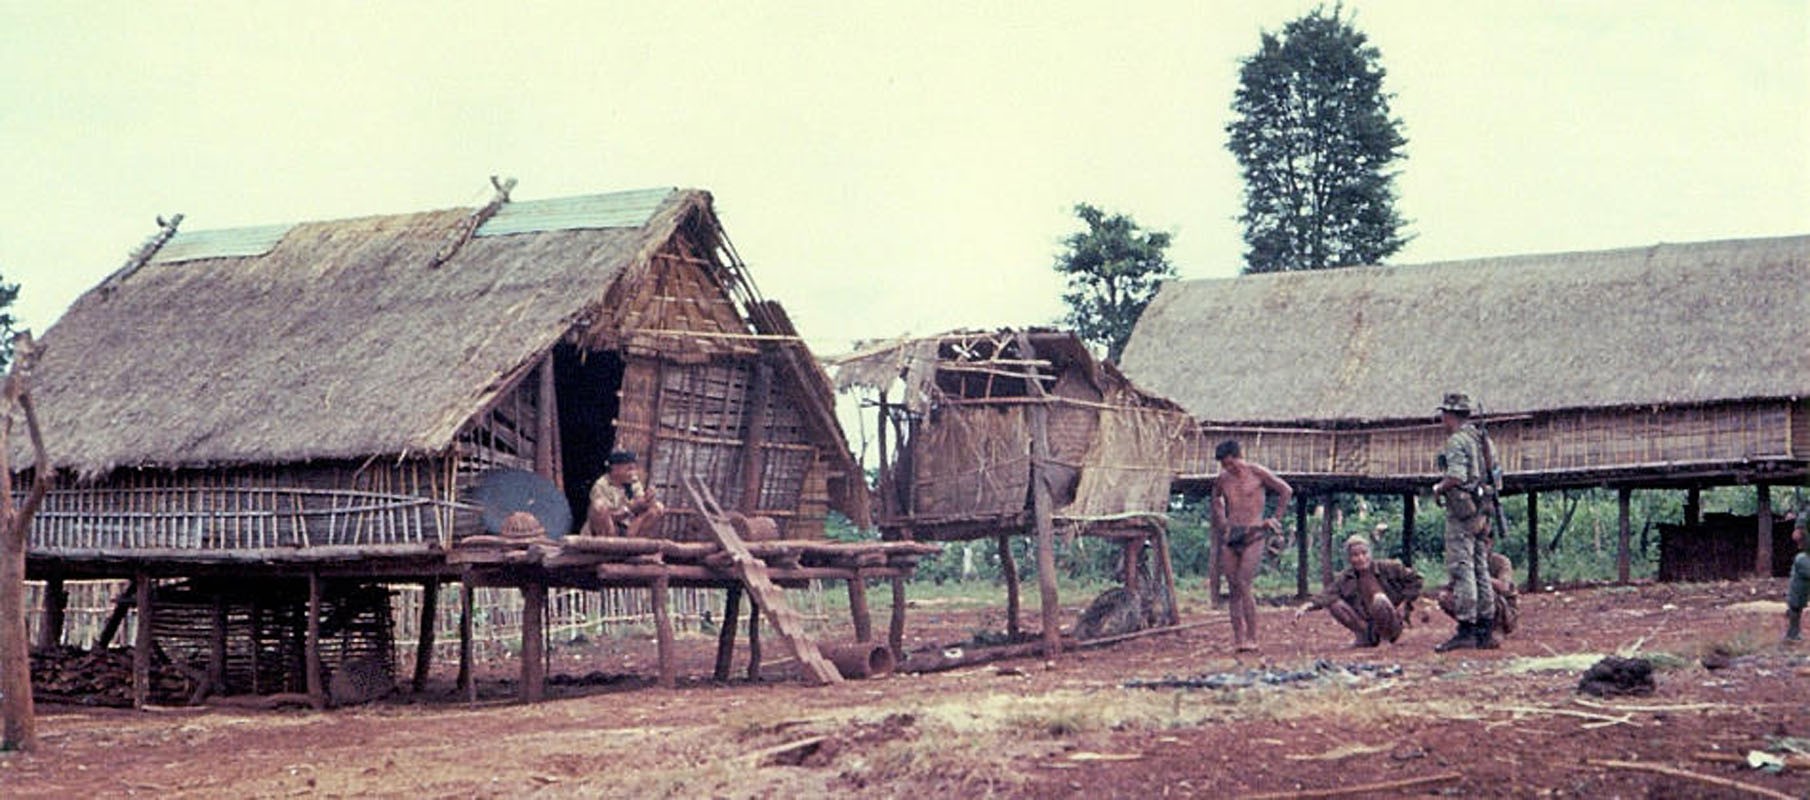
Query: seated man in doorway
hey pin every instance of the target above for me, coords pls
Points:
(1508, 600)
(621, 505)
(1371, 597)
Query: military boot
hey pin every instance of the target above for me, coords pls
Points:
(1485, 633)
(1794, 620)
(1464, 639)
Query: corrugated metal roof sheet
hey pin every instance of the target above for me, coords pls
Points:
(225, 243)
(615, 210)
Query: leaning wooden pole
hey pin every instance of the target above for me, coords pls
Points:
(18, 718)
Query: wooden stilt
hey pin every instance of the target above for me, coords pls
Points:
(895, 632)
(1301, 546)
(1166, 573)
(142, 644)
(1409, 505)
(467, 682)
(216, 656)
(1533, 541)
(56, 605)
(1326, 542)
(424, 646)
(1762, 554)
(311, 646)
(534, 641)
(1622, 499)
(753, 638)
(1693, 507)
(663, 635)
(857, 608)
(725, 638)
(1008, 572)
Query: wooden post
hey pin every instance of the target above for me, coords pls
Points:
(468, 682)
(311, 646)
(1130, 552)
(1300, 546)
(1326, 542)
(1166, 572)
(546, 424)
(1622, 501)
(754, 461)
(857, 608)
(895, 633)
(1693, 507)
(1008, 572)
(424, 645)
(753, 638)
(216, 656)
(663, 635)
(56, 605)
(1762, 554)
(1533, 541)
(142, 644)
(1042, 503)
(1408, 509)
(534, 641)
(725, 638)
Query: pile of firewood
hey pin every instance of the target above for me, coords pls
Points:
(103, 677)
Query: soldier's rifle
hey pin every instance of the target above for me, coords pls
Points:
(1492, 475)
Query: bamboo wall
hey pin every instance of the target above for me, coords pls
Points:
(252, 509)
(1532, 449)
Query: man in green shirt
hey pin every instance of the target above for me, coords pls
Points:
(1464, 489)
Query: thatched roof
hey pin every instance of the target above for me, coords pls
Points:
(1662, 325)
(337, 339)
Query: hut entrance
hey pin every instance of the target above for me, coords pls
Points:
(587, 384)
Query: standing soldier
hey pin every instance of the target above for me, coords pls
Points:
(1465, 488)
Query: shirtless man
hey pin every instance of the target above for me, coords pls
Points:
(620, 504)
(1238, 500)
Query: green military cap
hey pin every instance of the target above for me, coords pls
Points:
(1457, 403)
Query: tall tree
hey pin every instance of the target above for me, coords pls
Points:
(1315, 141)
(1113, 269)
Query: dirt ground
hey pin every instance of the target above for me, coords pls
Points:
(1503, 723)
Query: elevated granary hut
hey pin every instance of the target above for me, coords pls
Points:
(993, 433)
(312, 400)
(1666, 366)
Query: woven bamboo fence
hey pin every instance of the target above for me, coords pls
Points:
(496, 627)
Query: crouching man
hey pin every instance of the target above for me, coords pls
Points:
(1371, 597)
(1502, 585)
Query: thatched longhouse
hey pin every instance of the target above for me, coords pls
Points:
(1673, 365)
(314, 399)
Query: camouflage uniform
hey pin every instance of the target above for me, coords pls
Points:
(1467, 528)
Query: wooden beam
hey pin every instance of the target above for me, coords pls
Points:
(1623, 497)
(1533, 541)
(857, 608)
(534, 641)
(663, 634)
(1762, 555)
(1300, 550)
(311, 645)
(424, 646)
(142, 644)
(725, 640)
(121, 605)
(1008, 572)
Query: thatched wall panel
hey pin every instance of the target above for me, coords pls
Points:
(1129, 466)
(971, 461)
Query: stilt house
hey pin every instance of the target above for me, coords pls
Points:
(989, 434)
(1673, 366)
(264, 409)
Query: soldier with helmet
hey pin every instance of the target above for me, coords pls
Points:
(1467, 489)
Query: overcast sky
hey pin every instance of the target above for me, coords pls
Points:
(883, 167)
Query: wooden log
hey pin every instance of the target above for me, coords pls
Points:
(311, 645)
(725, 640)
(1166, 571)
(142, 643)
(615, 545)
(753, 637)
(1712, 780)
(1008, 571)
(424, 646)
(121, 605)
(663, 634)
(467, 681)
(1378, 789)
(534, 641)
(56, 605)
(857, 609)
(1622, 503)
(861, 660)
(1762, 553)
(895, 632)
(1533, 541)
(1042, 507)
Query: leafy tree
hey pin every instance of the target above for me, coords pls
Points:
(1315, 141)
(1113, 268)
